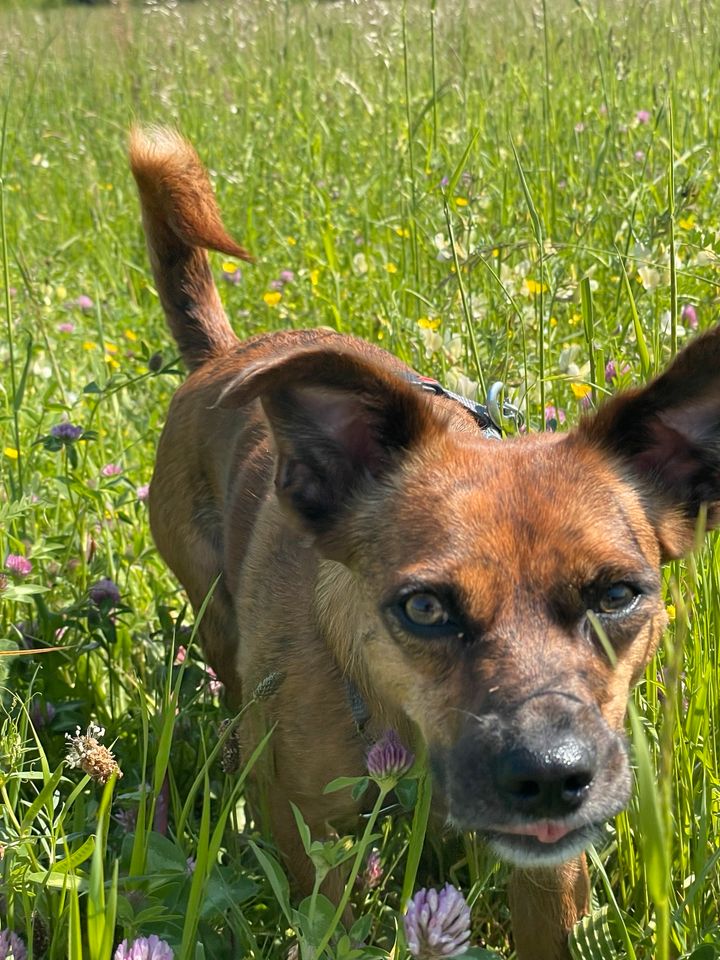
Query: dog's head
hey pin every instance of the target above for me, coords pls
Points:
(504, 596)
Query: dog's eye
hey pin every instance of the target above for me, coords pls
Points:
(616, 598)
(425, 610)
(427, 615)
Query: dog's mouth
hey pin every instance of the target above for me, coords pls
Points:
(541, 843)
(546, 831)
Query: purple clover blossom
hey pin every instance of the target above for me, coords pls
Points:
(234, 276)
(105, 591)
(642, 116)
(437, 924)
(144, 948)
(611, 370)
(639, 155)
(18, 564)
(66, 431)
(127, 819)
(142, 492)
(214, 685)
(554, 415)
(66, 327)
(689, 316)
(276, 284)
(287, 276)
(42, 713)
(389, 758)
(373, 872)
(11, 946)
(111, 470)
(83, 302)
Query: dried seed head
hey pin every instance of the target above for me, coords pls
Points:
(268, 685)
(155, 362)
(40, 935)
(230, 758)
(93, 758)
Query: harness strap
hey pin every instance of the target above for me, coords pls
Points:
(488, 417)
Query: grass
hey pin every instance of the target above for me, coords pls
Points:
(494, 192)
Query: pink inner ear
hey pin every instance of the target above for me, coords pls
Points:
(671, 449)
(344, 418)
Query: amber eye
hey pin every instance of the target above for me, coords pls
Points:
(425, 610)
(616, 598)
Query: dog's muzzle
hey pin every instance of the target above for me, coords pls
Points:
(538, 782)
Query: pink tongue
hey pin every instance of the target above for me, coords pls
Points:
(547, 832)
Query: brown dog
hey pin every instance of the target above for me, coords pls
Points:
(369, 539)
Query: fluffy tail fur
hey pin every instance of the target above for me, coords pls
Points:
(181, 221)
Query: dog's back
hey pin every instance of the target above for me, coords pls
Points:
(214, 466)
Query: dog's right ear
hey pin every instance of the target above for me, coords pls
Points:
(667, 436)
(339, 422)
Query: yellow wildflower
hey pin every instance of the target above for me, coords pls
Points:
(229, 267)
(272, 297)
(580, 390)
(60, 292)
(686, 223)
(111, 348)
(11, 453)
(429, 323)
(130, 335)
(291, 241)
(314, 277)
(89, 345)
(402, 232)
(671, 612)
(391, 268)
(461, 202)
(532, 287)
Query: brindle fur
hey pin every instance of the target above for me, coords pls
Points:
(305, 472)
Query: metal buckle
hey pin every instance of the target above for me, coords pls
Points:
(504, 415)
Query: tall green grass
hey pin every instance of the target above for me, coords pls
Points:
(494, 192)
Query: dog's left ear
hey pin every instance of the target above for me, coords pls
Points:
(668, 436)
(339, 421)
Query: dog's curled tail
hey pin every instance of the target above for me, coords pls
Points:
(181, 221)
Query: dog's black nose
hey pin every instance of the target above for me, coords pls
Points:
(551, 783)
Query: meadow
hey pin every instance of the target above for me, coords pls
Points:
(496, 192)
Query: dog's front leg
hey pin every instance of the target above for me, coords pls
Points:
(545, 903)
